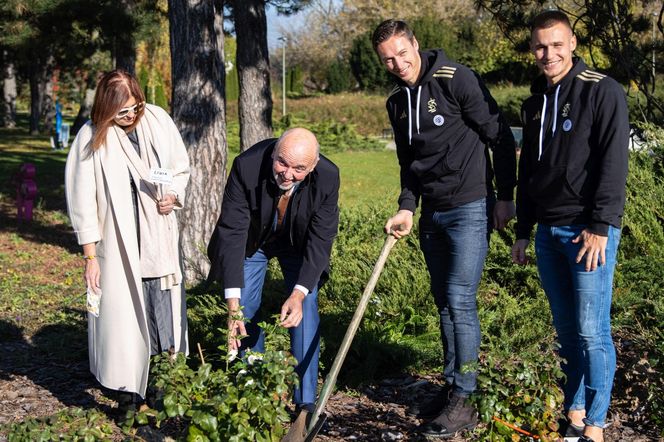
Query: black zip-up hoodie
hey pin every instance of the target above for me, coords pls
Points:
(442, 127)
(573, 166)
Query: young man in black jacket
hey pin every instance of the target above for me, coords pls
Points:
(444, 119)
(572, 175)
(281, 201)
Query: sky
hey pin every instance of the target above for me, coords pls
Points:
(275, 23)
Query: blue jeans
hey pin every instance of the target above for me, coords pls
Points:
(304, 339)
(454, 243)
(581, 307)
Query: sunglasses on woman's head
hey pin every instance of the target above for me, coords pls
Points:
(134, 109)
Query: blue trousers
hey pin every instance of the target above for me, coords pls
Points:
(581, 307)
(304, 338)
(454, 243)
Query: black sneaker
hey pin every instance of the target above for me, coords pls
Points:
(432, 407)
(569, 431)
(456, 416)
(586, 439)
(573, 433)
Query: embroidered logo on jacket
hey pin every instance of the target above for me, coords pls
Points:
(567, 125)
(445, 72)
(537, 116)
(403, 115)
(432, 105)
(438, 120)
(565, 111)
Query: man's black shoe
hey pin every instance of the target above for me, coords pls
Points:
(432, 407)
(456, 416)
(569, 431)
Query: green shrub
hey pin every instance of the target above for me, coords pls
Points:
(639, 280)
(643, 222)
(333, 136)
(399, 331)
(246, 401)
(522, 391)
(509, 99)
(367, 68)
(339, 77)
(295, 81)
(72, 424)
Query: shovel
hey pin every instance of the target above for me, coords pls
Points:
(297, 432)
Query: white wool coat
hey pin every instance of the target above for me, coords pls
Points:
(99, 201)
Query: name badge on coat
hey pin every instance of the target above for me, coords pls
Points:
(159, 175)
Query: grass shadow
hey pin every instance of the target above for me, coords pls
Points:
(55, 358)
(371, 356)
(46, 227)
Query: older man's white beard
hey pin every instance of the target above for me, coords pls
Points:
(281, 185)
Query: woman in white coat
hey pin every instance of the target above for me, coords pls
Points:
(126, 173)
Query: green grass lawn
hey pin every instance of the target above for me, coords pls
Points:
(367, 177)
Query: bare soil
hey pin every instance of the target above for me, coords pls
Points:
(33, 384)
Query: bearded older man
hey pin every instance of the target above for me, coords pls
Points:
(281, 201)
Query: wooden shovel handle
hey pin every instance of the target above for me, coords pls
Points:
(331, 379)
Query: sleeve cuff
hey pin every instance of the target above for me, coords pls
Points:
(523, 232)
(299, 287)
(600, 229)
(234, 292)
(505, 195)
(408, 205)
(178, 204)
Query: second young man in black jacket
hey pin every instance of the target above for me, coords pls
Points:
(572, 175)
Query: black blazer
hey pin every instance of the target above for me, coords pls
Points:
(247, 213)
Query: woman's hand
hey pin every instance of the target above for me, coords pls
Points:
(92, 273)
(166, 204)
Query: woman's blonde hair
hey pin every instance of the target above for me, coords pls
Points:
(113, 91)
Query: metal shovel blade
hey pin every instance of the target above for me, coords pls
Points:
(298, 429)
(318, 417)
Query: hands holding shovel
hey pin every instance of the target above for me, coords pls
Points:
(400, 224)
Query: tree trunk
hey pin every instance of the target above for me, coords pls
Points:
(125, 57)
(40, 78)
(87, 98)
(48, 104)
(124, 46)
(197, 60)
(253, 64)
(9, 91)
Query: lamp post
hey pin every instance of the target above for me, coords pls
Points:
(654, 19)
(283, 75)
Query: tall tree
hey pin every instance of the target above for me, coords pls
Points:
(124, 43)
(9, 90)
(40, 75)
(253, 65)
(197, 69)
(87, 85)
